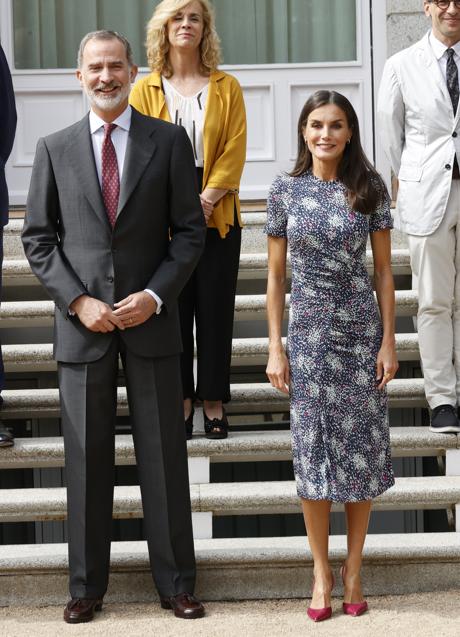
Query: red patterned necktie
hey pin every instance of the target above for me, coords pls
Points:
(110, 177)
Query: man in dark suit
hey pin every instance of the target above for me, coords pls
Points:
(7, 131)
(114, 228)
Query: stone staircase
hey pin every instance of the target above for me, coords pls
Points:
(233, 567)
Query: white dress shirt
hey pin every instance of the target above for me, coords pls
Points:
(120, 141)
(439, 50)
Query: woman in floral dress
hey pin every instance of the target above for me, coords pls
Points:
(341, 349)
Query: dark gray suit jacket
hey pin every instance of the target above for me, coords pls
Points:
(156, 242)
(7, 130)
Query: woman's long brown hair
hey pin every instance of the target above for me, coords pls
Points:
(365, 186)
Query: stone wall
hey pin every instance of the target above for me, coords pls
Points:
(406, 23)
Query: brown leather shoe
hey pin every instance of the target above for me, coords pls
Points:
(184, 606)
(80, 610)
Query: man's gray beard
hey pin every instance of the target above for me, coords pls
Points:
(107, 103)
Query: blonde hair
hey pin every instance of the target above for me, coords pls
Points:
(157, 43)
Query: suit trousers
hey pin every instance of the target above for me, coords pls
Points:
(88, 395)
(435, 262)
(208, 299)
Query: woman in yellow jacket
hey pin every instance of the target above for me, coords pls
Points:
(186, 88)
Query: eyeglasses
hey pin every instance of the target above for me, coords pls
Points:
(445, 4)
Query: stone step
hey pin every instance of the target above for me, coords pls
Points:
(232, 498)
(247, 307)
(28, 357)
(254, 351)
(253, 237)
(255, 265)
(253, 240)
(38, 357)
(258, 398)
(240, 568)
(261, 397)
(12, 244)
(253, 306)
(24, 314)
(17, 272)
(247, 446)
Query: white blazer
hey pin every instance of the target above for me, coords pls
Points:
(420, 135)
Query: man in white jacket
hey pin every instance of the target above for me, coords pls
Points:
(419, 123)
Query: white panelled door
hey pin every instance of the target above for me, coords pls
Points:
(50, 99)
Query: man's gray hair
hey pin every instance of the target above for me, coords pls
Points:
(104, 35)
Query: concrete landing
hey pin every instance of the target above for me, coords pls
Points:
(424, 615)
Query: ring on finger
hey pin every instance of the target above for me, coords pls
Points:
(387, 375)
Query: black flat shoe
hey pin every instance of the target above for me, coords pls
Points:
(6, 437)
(189, 425)
(216, 428)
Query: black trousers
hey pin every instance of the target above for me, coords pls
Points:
(209, 299)
(88, 404)
(2, 371)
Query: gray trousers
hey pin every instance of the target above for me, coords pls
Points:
(88, 395)
(435, 261)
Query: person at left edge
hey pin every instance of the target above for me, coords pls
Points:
(7, 131)
(113, 230)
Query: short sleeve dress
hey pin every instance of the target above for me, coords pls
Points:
(339, 419)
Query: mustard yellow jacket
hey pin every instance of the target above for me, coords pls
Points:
(224, 137)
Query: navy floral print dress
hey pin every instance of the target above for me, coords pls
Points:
(339, 419)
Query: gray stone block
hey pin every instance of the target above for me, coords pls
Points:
(34, 453)
(261, 397)
(25, 357)
(405, 6)
(253, 306)
(17, 272)
(255, 265)
(253, 239)
(238, 498)
(246, 398)
(247, 307)
(404, 30)
(254, 351)
(26, 314)
(12, 244)
(240, 568)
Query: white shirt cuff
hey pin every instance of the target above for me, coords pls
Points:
(157, 299)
